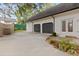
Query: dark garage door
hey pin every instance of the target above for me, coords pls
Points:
(47, 27)
(37, 28)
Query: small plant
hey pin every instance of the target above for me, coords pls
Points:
(54, 34)
(63, 44)
(72, 49)
(67, 46)
(55, 43)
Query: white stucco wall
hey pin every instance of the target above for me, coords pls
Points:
(69, 15)
(29, 27)
(43, 20)
(74, 15)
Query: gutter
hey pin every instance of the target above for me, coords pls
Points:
(53, 24)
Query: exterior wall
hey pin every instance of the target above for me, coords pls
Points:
(43, 20)
(1, 29)
(29, 27)
(74, 15)
(9, 26)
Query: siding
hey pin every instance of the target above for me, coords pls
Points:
(74, 15)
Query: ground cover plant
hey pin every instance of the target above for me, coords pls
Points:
(64, 44)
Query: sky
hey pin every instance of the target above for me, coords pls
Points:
(2, 6)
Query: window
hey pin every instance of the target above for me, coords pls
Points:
(70, 26)
(63, 26)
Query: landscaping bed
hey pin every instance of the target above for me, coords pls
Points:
(65, 44)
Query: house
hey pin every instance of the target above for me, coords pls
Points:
(62, 19)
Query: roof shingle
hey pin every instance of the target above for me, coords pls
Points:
(63, 7)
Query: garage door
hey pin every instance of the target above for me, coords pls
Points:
(37, 28)
(47, 27)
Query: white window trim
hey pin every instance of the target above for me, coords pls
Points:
(67, 25)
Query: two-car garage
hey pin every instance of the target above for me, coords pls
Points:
(46, 27)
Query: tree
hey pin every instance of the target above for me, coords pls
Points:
(7, 10)
(27, 10)
(10, 9)
(24, 10)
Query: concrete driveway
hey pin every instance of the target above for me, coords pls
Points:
(27, 44)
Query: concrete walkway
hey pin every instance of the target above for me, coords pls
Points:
(27, 44)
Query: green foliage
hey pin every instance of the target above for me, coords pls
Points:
(26, 10)
(67, 45)
(54, 34)
(20, 27)
(64, 44)
(23, 8)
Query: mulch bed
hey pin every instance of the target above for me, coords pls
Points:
(55, 42)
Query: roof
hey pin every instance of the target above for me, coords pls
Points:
(60, 8)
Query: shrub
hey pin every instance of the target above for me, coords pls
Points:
(67, 46)
(72, 49)
(77, 49)
(55, 43)
(54, 34)
(64, 44)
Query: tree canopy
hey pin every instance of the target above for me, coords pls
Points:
(26, 10)
(22, 11)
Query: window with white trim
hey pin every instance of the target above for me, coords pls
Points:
(70, 25)
(63, 26)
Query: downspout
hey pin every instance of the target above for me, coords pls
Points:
(32, 27)
(53, 24)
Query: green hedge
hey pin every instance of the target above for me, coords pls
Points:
(20, 27)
